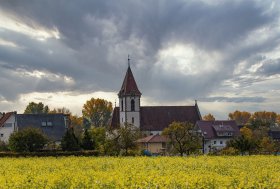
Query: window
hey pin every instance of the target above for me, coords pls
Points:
(122, 119)
(214, 141)
(122, 105)
(221, 142)
(1, 134)
(44, 124)
(132, 105)
(49, 123)
(8, 125)
(132, 120)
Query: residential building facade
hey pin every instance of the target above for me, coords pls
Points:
(216, 134)
(52, 125)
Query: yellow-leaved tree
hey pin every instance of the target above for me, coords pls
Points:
(241, 118)
(209, 117)
(97, 112)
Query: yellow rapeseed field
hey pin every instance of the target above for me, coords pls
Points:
(141, 172)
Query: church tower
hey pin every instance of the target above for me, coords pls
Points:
(129, 100)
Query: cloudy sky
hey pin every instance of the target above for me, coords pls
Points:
(225, 54)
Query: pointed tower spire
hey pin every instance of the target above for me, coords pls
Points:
(129, 86)
(128, 61)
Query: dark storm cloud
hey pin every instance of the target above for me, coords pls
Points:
(96, 37)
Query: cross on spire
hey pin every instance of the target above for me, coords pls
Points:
(128, 61)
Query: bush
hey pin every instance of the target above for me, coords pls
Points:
(3, 146)
(230, 151)
(69, 141)
(49, 153)
(27, 140)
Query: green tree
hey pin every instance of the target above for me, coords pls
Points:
(262, 119)
(62, 110)
(69, 141)
(27, 140)
(127, 136)
(97, 112)
(209, 117)
(36, 108)
(241, 118)
(98, 134)
(87, 141)
(245, 142)
(182, 137)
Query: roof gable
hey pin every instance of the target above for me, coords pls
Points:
(5, 117)
(129, 86)
(153, 139)
(209, 129)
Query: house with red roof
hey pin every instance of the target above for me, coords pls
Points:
(149, 119)
(216, 134)
(155, 144)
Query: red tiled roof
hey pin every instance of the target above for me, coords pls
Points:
(208, 127)
(5, 117)
(153, 139)
(129, 86)
(157, 118)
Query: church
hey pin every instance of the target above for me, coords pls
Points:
(149, 119)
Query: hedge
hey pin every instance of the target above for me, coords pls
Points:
(49, 153)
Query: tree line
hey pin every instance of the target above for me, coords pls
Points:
(91, 131)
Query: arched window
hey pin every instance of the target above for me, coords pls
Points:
(122, 105)
(132, 105)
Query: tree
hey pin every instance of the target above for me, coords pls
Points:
(36, 108)
(27, 140)
(263, 119)
(98, 134)
(62, 110)
(87, 141)
(241, 118)
(76, 123)
(245, 142)
(69, 141)
(183, 137)
(127, 136)
(267, 145)
(97, 111)
(209, 117)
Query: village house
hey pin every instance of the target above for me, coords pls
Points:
(216, 134)
(52, 125)
(155, 144)
(7, 125)
(151, 120)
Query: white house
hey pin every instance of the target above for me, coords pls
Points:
(216, 134)
(7, 125)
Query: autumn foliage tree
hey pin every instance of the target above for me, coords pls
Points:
(263, 119)
(241, 118)
(182, 137)
(209, 117)
(97, 111)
